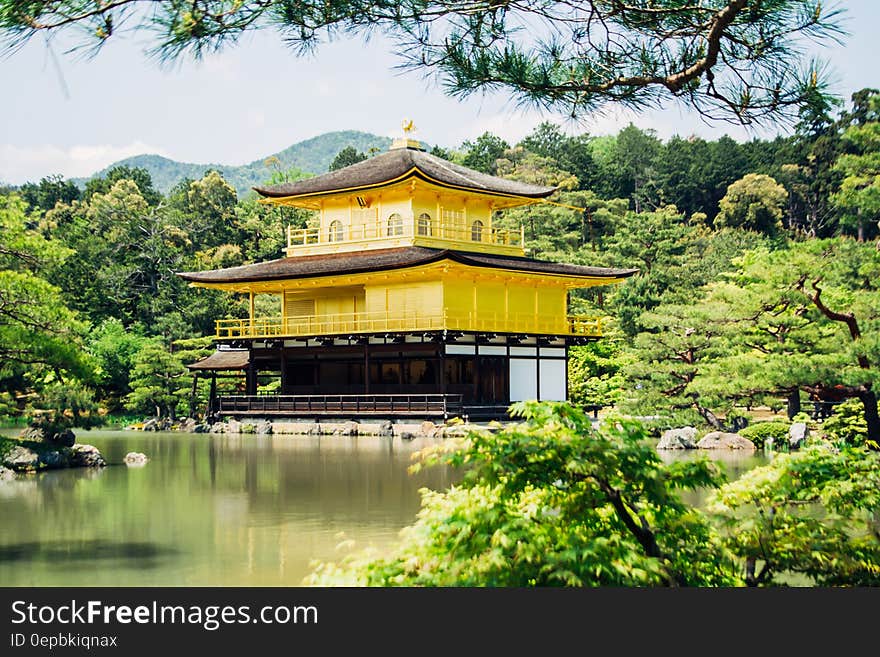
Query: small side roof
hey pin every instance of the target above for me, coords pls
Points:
(223, 359)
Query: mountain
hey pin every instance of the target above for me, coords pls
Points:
(312, 156)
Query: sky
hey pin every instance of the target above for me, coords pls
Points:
(71, 116)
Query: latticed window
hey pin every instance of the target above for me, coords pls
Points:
(335, 234)
(477, 231)
(424, 225)
(395, 224)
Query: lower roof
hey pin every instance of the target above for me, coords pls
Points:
(387, 259)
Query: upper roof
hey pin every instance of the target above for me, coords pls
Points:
(385, 259)
(398, 165)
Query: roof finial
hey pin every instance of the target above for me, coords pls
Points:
(406, 141)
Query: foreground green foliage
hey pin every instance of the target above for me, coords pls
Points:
(813, 514)
(739, 61)
(550, 501)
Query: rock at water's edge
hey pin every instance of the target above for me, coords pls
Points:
(86, 456)
(797, 434)
(722, 440)
(21, 459)
(6, 474)
(682, 438)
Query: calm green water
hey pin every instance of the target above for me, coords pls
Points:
(217, 510)
(208, 510)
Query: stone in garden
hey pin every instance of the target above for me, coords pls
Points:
(723, 440)
(52, 458)
(135, 459)
(21, 459)
(797, 434)
(86, 456)
(682, 438)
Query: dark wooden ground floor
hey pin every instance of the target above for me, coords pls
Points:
(395, 375)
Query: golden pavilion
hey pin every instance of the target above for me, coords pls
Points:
(404, 300)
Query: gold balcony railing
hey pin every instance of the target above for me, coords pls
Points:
(383, 322)
(340, 234)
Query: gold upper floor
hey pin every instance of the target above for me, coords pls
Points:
(413, 212)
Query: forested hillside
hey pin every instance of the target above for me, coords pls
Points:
(758, 270)
(310, 156)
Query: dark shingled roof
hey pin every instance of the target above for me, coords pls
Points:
(395, 164)
(384, 259)
(223, 359)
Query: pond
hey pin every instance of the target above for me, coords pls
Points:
(216, 510)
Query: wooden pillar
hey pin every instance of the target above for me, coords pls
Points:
(251, 375)
(477, 397)
(192, 395)
(212, 397)
(442, 367)
(367, 367)
(283, 358)
(251, 310)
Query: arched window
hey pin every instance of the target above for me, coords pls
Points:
(477, 231)
(335, 234)
(395, 225)
(424, 225)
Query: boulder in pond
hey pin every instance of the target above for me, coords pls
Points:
(53, 458)
(135, 459)
(21, 459)
(683, 438)
(264, 428)
(723, 440)
(797, 434)
(6, 474)
(86, 456)
(151, 425)
(348, 429)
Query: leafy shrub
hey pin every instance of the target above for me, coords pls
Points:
(759, 433)
(847, 423)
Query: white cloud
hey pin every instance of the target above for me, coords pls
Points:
(20, 164)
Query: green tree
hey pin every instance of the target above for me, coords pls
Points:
(728, 59)
(157, 381)
(37, 331)
(754, 202)
(138, 175)
(636, 154)
(859, 195)
(805, 317)
(346, 157)
(43, 196)
(484, 153)
(115, 349)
